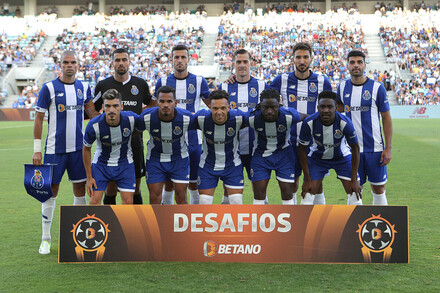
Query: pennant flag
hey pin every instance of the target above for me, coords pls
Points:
(38, 181)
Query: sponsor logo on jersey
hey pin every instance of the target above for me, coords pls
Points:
(208, 132)
(79, 94)
(230, 131)
(281, 128)
(134, 90)
(338, 133)
(259, 129)
(366, 95)
(129, 103)
(313, 88)
(292, 98)
(191, 89)
(60, 95)
(155, 130)
(105, 136)
(126, 132)
(253, 92)
(292, 87)
(37, 181)
(61, 108)
(347, 95)
(177, 130)
(233, 105)
(233, 94)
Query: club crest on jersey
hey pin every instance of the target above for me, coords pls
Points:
(292, 98)
(230, 131)
(281, 128)
(61, 108)
(253, 92)
(366, 95)
(233, 105)
(191, 89)
(37, 181)
(126, 132)
(313, 88)
(134, 90)
(177, 130)
(79, 94)
(338, 133)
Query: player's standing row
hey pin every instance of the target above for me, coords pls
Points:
(363, 98)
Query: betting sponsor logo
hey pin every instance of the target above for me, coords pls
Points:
(210, 248)
(376, 235)
(129, 103)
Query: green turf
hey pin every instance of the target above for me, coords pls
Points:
(413, 181)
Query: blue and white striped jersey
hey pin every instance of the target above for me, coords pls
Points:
(113, 142)
(271, 137)
(300, 94)
(363, 105)
(167, 139)
(244, 96)
(328, 142)
(65, 103)
(220, 142)
(189, 93)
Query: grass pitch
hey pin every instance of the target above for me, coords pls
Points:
(413, 181)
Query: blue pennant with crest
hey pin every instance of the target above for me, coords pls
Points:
(38, 181)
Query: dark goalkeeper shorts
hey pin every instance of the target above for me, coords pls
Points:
(137, 147)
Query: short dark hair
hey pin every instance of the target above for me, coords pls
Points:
(179, 48)
(326, 94)
(218, 95)
(303, 46)
(356, 53)
(270, 94)
(112, 94)
(166, 89)
(119, 50)
(241, 51)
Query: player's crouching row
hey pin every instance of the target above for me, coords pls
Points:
(324, 133)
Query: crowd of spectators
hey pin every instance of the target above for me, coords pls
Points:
(18, 50)
(149, 45)
(270, 39)
(27, 98)
(413, 44)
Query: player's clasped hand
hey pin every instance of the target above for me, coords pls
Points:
(306, 187)
(90, 185)
(36, 159)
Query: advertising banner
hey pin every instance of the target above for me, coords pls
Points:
(18, 115)
(234, 233)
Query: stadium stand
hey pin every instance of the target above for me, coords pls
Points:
(413, 44)
(408, 42)
(270, 39)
